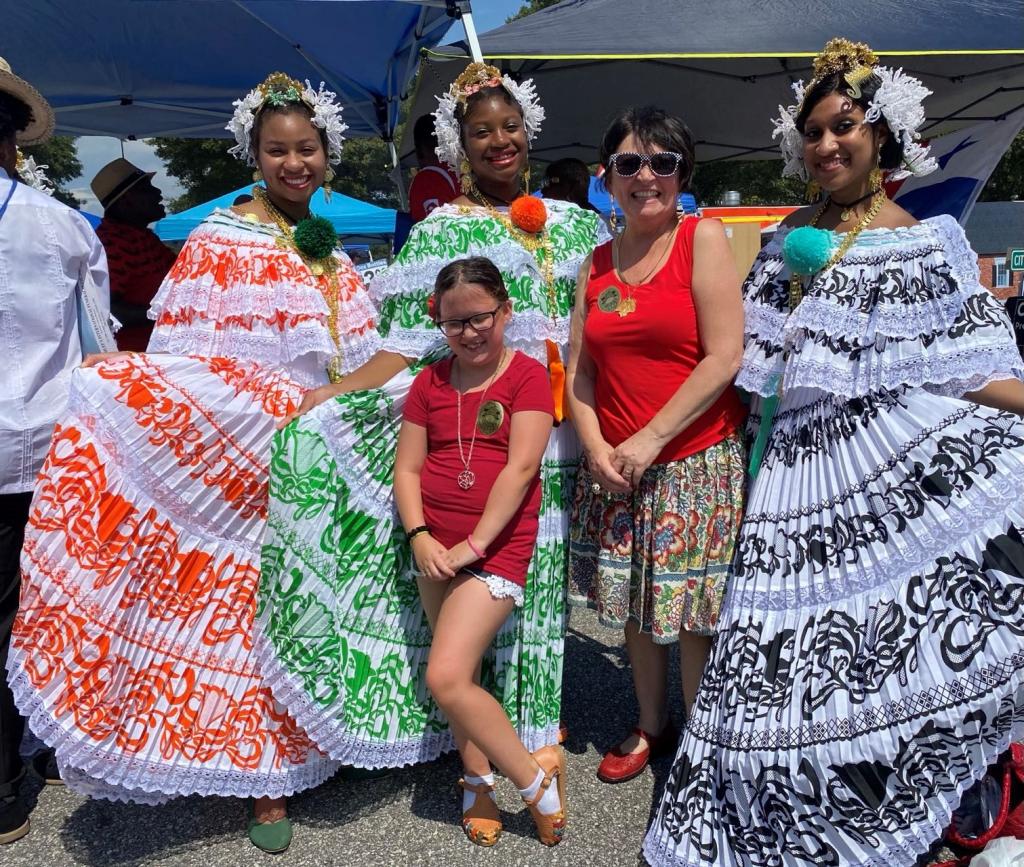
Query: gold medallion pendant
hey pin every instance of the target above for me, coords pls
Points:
(490, 417)
(609, 300)
(626, 306)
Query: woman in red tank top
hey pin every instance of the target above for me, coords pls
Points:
(658, 337)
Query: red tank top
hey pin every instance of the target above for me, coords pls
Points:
(643, 358)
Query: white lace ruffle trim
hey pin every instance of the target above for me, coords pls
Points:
(96, 775)
(499, 587)
(410, 275)
(897, 341)
(271, 349)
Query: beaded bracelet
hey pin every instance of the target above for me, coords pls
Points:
(415, 531)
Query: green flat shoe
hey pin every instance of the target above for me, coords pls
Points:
(272, 837)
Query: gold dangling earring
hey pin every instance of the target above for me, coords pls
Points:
(613, 220)
(328, 177)
(812, 192)
(875, 178)
(257, 176)
(465, 176)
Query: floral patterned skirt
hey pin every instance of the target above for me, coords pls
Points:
(660, 555)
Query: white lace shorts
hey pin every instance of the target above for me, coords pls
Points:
(501, 588)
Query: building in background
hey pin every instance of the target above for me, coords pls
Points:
(993, 228)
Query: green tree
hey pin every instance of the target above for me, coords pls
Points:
(1007, 181)
(60, 156)
(365, 172)
(202, 166)
(531, 7)
(206, 170)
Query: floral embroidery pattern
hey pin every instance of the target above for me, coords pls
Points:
(660, 556)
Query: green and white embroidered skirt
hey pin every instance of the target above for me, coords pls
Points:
(341, 635)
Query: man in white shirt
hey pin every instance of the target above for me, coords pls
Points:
(49, 255)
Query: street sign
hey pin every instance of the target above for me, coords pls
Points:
(1015, 260)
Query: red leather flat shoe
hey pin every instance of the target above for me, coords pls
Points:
(618, 767)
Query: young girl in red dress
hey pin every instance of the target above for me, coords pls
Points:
(467, 483)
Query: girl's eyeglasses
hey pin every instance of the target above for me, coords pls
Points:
(628, 165)
(478, 322)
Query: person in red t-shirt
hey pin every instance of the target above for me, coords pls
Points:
(467, 484)
(433, 184)
(659, 497)
(137, 258)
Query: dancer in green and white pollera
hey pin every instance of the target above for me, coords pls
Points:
(342, 635)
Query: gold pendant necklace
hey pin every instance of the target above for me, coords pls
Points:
(796, 288)
(467, 478)
(319, 268)
(613, 300)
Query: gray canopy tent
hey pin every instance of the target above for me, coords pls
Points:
(725, 66)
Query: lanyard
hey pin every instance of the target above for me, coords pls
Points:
(7, 201)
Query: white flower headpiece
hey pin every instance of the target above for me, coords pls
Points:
(898, 101)
(281, 89)
(32, 174)
(475, 77)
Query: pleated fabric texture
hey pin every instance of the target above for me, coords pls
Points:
(132, 654)
(868, 665)
(341, 632)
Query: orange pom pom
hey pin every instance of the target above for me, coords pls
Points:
(528, 213)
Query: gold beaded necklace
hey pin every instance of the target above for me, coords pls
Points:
(326, 267)
(796, 288)
(541, 241)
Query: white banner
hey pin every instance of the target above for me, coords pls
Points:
(966, 160)
(369, 270)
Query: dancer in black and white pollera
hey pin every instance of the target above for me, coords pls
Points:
(868, 665)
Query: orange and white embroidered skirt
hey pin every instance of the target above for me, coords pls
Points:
(132, 651)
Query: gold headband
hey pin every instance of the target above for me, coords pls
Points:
(473, 78)
(855, 61)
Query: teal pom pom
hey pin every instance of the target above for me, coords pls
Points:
(807, 250)
(315, 237)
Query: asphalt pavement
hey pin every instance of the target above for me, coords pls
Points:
(409, 817)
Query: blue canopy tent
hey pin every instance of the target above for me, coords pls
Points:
(141, 68)
(355, 221)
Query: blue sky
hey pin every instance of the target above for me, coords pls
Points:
(96, 151)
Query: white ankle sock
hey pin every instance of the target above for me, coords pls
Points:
(549, 802)
(469, 797)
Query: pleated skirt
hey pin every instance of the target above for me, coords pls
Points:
(132, 654)
(868, 664)
(342, 635)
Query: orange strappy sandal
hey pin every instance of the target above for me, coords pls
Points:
(481, 822)
(550, 828)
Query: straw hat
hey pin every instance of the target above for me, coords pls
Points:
(115, 179)
(40, 128)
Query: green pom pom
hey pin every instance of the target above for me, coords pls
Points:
(807, 250)
(315, 237)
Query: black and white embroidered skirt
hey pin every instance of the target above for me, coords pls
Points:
(869, 660)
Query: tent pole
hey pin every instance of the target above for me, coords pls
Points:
(461, 9)
(474, 43)
(396, 172)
